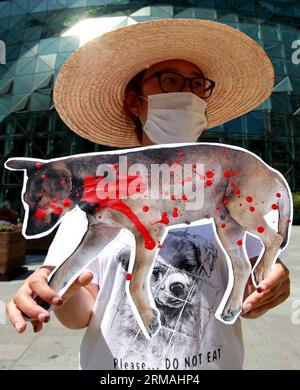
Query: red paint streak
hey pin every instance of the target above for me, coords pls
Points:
(278, 195)
(89, 195)
(260, 229)
(208, 183)
(239, 242)
(252, 209)
(128, 276)
(67, 202)
(249, 199)
(209, 174)
(175, 212)
(40, 214)
(38, 165)
(145, 208)
(274, 206)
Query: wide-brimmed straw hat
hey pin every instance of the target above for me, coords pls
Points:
(89, 89)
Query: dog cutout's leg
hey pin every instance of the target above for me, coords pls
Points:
(139, 287)
(272, 241)
(231, 236)
(97, 236)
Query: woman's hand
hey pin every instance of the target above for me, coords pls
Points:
(37, 284)
(274, 290)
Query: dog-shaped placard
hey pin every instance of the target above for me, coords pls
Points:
(146, 189)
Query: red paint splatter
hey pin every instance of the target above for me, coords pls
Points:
(54, 200)
(278, 195)
(218, 208)
(208, 183)
(237, 191)
(184, 197)
(239, 242)
(164, 219)
(223, 225)
(274, 206)
(175, 212)
(249, 199)
(260, 229)
(43, 177)
(40, 214)
(241, 204)
(225, 201)
(232, 173)
(128, 277)
(252, 209)
(63, 182)
(57, 211)
(173, 197)
(67, 202)
(232, 183)
(145, 208)
(180, 154)
(38, 165)
(209, 174)
(226, 174)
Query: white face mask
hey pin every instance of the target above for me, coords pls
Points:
(175, 117)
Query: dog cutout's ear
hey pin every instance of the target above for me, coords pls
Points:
(19, 164)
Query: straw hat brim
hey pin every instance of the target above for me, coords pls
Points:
(89, 89)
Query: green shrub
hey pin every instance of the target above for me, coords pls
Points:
(296, 200)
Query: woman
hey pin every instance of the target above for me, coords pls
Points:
(146, 80)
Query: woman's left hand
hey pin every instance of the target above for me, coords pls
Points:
(275, 289)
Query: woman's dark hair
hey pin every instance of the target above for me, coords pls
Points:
(135, 84)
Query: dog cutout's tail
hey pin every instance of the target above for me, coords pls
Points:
(285, 212)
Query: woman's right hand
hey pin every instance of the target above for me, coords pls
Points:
(23, 302)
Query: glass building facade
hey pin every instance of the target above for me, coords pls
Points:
(39, 35)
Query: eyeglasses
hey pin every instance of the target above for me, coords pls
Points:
(175, 82)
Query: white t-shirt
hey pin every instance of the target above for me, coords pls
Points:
(186, 296)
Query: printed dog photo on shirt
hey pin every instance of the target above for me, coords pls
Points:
(184, 287)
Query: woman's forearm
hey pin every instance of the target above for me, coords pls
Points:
(76, 312)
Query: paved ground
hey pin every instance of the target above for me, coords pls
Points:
(271, 342)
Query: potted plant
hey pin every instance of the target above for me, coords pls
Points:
(12, 243)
